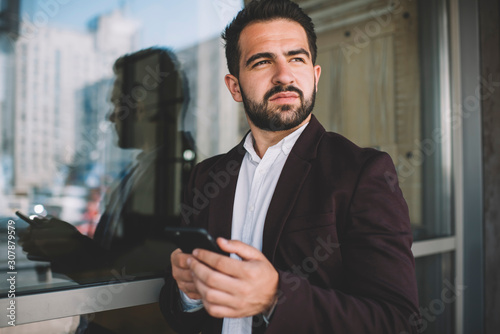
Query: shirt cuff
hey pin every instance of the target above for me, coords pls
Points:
(190, 305)
(267, 316)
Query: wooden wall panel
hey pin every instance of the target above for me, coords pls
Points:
(369, 90)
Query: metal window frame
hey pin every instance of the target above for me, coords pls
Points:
(458, 171)
(467, 149)
(85, 300)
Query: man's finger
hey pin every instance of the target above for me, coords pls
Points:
(174, 255)
(41, 222)
(190, 290)
(212, 278)
(182, 275)
(244, 251)
(179, 259)
(211, 296)
(30, 247)
(220, 263)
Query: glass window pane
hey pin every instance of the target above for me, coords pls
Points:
(105, 146)
(77, 128)
(434, 144)
(437, 293)
(102, 142)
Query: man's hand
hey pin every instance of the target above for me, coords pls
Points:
(50, 239)
(182, 273)
(230, 287)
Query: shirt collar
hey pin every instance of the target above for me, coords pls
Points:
(286, 144)
(146, 158)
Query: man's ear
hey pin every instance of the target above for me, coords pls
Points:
(233, 85)
(317, 74)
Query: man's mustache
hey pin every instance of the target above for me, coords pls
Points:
(281, 89)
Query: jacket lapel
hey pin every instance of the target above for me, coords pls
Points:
(220, 215)
(292, 178)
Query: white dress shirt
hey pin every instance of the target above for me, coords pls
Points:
(112, 226)
(254, 190)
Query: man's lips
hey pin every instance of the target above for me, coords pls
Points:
(285, 97)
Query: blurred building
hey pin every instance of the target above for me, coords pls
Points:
(113, 35)
(213, 118)
(54, 66)
(9, 29)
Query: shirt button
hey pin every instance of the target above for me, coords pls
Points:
(251, 208)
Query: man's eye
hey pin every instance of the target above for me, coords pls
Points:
(298, 60)
(262, 62)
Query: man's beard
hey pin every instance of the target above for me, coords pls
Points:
(282, 117)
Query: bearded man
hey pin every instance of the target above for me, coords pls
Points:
(319, 241)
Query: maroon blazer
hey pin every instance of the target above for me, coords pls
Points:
(337, 231)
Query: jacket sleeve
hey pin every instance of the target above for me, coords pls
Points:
(180, 321)
(379, 294)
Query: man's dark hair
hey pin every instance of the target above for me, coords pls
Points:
(261, 11)
(171, 87)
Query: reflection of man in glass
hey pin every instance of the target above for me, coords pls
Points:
(149, 95)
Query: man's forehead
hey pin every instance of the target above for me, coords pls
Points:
(117, 85)
(261, 35)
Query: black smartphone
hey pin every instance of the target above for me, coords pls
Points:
(26, 218)
(189, 238)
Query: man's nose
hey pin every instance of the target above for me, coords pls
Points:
(283, 74)
(111, 116)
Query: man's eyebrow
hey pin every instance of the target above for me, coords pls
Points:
(272, 55)
(258, 56)
(300, 51)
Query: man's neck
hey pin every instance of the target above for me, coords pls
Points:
(263, 139)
